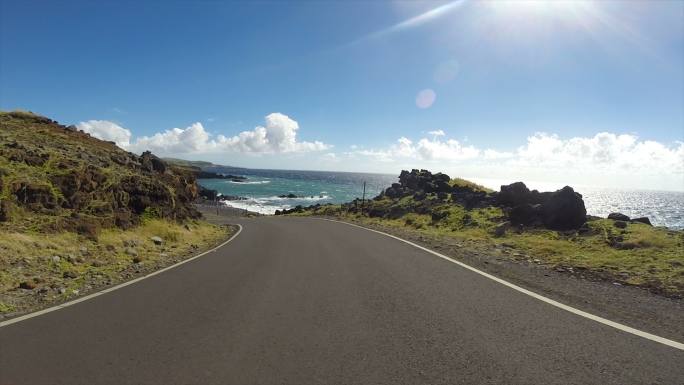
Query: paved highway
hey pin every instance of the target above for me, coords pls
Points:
(304, 301)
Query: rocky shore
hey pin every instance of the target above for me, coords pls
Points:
(548, 228)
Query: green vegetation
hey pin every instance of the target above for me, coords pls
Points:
(187, 163)
(78, 213)
(55, 178)
(460, 182)
(59, 266)
(639, 254)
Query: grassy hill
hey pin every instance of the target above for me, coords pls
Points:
(77, 212)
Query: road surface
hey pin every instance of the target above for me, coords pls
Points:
(304, 301)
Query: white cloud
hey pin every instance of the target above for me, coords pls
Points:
(176, 141)
(424, 149)
(106, 130)
(278, 135)
(602, 159)
(436, 133)
(494, 154)
(605, 151)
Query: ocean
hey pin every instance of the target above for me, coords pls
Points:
(263, 187)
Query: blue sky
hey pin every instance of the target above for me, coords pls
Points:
(593, 88)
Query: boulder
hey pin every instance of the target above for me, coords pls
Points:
(395, 191)
(500, 229)
(35, 196)
(620, 224)
(644, 220)
(525, 214)
(419, 195)
(423, 180)
(618, 217)
(564, 210)
(207, 194)
(396, 212)
(513, 194)
(288, 196)
(438, 215)
(517, 193)
(157, 240)
(27, 285)
(150, 162)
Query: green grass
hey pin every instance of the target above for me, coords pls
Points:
(4, 308)
(29, 256)
(639, 255)
(471, 185)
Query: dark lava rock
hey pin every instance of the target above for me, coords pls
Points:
(500, 229)
(437, 216)
(644, 220)
(525, 214)
(419, 195)
(206, 193)
(514, 194)
(397, 212)
(517, 193)
(290, 196)
(564, 210)
(27, 285)
(70, 274)
(560, 210)
(150, 162)
(424, 180)
(35, 196)
(618, 217)
(620, 224)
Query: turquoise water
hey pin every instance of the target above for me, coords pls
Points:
(262, 188)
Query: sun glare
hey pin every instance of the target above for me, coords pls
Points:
(526, 8)
(536, 20)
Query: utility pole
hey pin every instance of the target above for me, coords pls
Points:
(363, 199)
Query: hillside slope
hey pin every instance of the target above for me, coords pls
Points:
(78, 213)
(57, 178)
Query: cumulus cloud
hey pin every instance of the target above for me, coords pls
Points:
(176, 141)
(542, 154)
(602, 151)
(277, 135)
(106, 130)
(436, 133)
(425, 149)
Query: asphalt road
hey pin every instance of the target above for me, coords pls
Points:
(304, 301)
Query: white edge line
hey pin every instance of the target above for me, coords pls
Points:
(616, 325)
(119, 286)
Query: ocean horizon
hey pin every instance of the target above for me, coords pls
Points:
(263, 191)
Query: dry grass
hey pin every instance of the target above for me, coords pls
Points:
(62, 265)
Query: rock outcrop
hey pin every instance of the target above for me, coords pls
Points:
(559, 210)
(57, 178)
(431, 193)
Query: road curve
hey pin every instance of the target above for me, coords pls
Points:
(304, 301)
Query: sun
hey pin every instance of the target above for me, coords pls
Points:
(534, 20)
(556, 8)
